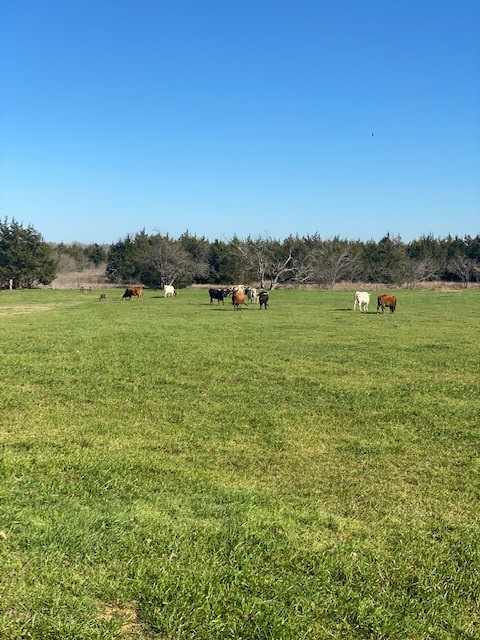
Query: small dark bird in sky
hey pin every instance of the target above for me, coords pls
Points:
(373, 134)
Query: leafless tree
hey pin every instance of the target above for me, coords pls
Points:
(464, 268)
(332, 262)
(268, 259)
(165, 262)
(416, 271)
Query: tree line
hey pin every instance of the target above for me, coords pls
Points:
(158, 259)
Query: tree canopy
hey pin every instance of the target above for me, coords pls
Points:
(159, 259)
(24, 256)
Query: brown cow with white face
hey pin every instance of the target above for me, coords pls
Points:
(238, 298)
(386, 301)
(131, 292)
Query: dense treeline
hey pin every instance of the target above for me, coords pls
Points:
(25, 259)
(158, 259)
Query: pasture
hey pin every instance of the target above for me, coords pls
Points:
(173, 470)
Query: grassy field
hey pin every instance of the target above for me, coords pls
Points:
(175, 470)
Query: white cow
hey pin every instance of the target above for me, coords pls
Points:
(251, 294)
(362, 298)
(169, 291)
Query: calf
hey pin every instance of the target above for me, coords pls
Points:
(263, 299)
(362, 299)
(131, 292)
(386, 301)
(169, 291)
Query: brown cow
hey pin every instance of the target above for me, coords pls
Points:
(131, 292)
(386, 301)
(238, 298)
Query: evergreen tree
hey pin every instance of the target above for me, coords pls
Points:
(95, 253)
(24, 256)
(122, 263)
(224, 263)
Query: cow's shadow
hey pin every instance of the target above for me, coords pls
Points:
(215, 306)
(230, 308)
(350, 310)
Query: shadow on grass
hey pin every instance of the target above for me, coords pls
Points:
(230, 309)
(361, 313)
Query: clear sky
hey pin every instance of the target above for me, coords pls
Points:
(223, 117)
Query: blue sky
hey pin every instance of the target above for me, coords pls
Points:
(240, 117)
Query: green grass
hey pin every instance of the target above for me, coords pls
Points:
(175, 470)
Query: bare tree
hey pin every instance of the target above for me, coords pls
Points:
(464, 268)
(268, 259)
(420, 270)
(164, 261)
(304, 265)
(280, 265)
(333, 261)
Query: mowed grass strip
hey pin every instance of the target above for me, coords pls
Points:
(174, 469)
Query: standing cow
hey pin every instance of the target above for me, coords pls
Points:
(386, 301)
(251, 294)
(218, 294)
(131, 292)
(263, 299)
(169, 291)
(362, 300)
(238, 298)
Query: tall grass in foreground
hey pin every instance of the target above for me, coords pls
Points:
(175, 470)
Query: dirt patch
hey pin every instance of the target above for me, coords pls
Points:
(131, 627)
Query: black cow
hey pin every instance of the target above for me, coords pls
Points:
(263, 299)
(218, 294)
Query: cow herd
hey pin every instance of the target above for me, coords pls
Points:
(240, 293)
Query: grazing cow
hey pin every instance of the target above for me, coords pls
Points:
(238, 298)
(362, 299)
(169, 291)
(132, 292)
(218, 294)
(263, 299)
(386, 300)
(103, 296)
(251, 294)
